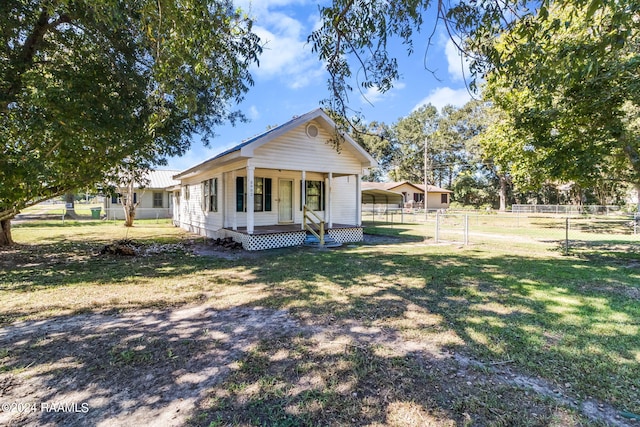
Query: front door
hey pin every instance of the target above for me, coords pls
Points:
(285, 200)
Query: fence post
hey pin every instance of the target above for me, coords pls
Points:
(566, 238)
(437, 227)
(466, 229)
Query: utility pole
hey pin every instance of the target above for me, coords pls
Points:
(426, 184)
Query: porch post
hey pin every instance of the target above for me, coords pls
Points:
(327, 214)
(222, 191)
(250, 206)
(303, 194)
(234, 191)
(358, 200)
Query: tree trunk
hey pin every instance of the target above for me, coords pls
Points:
(5, 233)
(503, 193)
(70, 205)
(129, 215)
(638, 196)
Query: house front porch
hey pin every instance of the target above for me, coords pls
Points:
(284, 235)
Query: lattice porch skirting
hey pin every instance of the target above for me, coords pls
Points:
(258, 242)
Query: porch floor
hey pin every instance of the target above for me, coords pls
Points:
(282, 228)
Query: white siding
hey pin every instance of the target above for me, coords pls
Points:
(192, 215)
(283, 157)
(145, 209)
(297, 151)
(344, 200)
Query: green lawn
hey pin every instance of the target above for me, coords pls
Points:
(570, 321)
(83, 209)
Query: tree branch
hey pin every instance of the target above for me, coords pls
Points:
(24, 61)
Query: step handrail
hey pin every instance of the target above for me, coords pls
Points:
(319, 223)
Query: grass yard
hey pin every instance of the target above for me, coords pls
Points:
(399, 332)
(83, 209)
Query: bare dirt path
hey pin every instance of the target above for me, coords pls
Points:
(155, 367)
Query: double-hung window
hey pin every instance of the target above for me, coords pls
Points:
(314, 195)
(210, 195)
(261, 194)
(158, 199)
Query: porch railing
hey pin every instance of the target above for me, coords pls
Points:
(309, 215)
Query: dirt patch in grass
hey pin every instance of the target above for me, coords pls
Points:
(137, 368)
(255, 366)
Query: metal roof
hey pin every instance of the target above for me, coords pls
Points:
(379, 196)
(393, 185)
(161, 179)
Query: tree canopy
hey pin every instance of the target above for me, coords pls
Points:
(565, 75)
(570, 112)
(86, 84)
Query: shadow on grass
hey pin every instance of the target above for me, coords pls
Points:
(32, 267)
(567, 320)
(570, 321)
(137, 368)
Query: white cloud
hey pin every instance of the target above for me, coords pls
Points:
(445, 96)
(457, 65)
(260, 8)
(254, 114)
(373, 94)
(286, 55)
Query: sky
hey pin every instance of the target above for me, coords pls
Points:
(290, 80)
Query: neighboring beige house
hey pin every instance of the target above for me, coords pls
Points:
(155, 197)
(413, 194)
(255, 191)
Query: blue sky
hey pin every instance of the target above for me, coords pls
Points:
(291, 80)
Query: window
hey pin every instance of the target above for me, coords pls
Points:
(186, 192)
(121, 198)
(444, 198)
(240, 194)
(213, 195)
(314, 195)
(210, 195)
(158, 199)
(261, 194)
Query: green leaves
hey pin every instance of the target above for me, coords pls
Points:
(85, 85)
(563, 92)
(356, 33)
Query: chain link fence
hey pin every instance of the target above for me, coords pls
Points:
(564, 232)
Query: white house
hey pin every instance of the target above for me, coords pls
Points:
(156, 199)
(258, 192)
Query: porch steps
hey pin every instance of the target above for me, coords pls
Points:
(329, 242)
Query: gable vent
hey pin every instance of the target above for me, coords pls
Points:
(312, 130)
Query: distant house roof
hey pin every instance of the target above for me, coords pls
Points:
(162, 178)
(246, 148)
(433, 188)
(390, 186)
